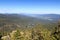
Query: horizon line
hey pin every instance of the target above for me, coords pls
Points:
(29, 13)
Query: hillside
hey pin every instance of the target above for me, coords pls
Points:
(9, 22)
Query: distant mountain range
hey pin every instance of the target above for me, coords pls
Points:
(31, 17)
(50, 17)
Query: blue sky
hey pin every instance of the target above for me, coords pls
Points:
(30, 6)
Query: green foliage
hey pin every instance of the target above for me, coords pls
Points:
(35, 33)
(15, 35)
(0, 36)
(56, 32)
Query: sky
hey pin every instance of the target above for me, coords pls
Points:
(30, 6)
